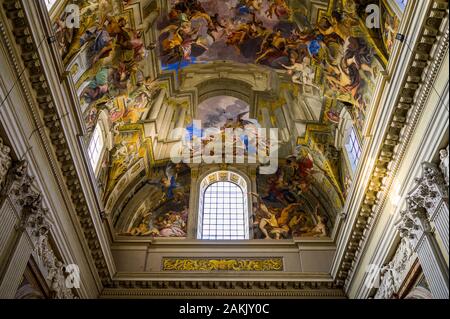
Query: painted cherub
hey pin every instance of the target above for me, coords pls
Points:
(301, 73)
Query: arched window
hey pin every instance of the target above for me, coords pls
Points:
(347, 140)
(353, 148)
(223, 207)
(96, 146)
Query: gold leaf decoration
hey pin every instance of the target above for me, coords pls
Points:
(222, 264)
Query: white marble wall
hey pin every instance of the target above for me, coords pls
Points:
(424, 229)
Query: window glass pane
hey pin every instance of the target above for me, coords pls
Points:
(96, 147)
(225, 202)
(402, 4)
(353, 149)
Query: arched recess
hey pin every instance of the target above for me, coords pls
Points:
(245, 82)
(138, 201)
(227, 87)
(156, 200)
(238, 89)
(246, 172)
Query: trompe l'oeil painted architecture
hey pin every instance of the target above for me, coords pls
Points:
(204, 148)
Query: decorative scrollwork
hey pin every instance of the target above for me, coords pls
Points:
(35, 221)
(5, 161)
(222, 264)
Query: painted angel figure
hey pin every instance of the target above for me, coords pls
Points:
(302, 73)
(168, 183)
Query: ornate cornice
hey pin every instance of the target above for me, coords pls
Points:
(50, 119)
(251, 293)
(430, 50)
(267, 289)
(411, 103)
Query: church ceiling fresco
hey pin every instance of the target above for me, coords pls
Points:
(113, 82)
(332, 58)
(214, 117)
(290, 203)
(337, 54)
(168, 214)
(217, 111)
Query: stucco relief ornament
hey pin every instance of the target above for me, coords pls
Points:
(57, 278)
(414, 221)
(394, 273)
(38, 225)
(387, 287)
(5, 162)
(47, 258)
(444, 165)
(33, 215)
(430, 188)
(35, 220)
(435, 177)
(18, 183)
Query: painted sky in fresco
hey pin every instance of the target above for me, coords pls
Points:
(215, 111)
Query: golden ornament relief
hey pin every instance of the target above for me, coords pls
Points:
(222, 264)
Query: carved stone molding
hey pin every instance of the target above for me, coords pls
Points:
(204, 293)
(430, 189)
(415, 226)
(229, 288)
(35, 221)
(5, 162)
(429, 199)
(50, 119)
(394, 273)
(414, 222)
(422, 219)
(430, 50)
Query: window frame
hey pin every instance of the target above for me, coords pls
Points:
(234, 218)
(353, 148)
(97, 137)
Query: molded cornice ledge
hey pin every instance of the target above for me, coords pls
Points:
(397, 114)
(62, 137)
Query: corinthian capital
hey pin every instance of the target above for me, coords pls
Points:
(430, 188)
(434, 179)
(414, 220)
